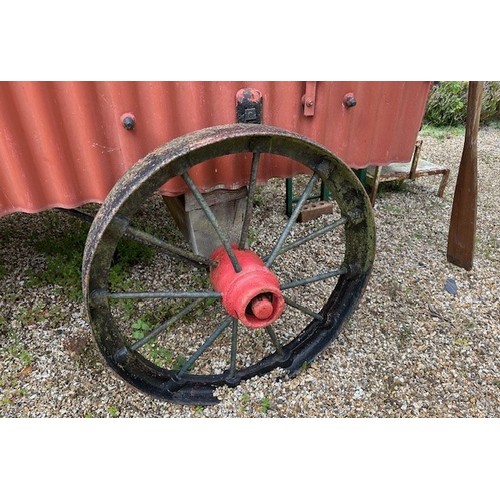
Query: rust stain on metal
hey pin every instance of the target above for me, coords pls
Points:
(65, 144)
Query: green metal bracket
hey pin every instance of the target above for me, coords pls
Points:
(324, 195)
(361, 175)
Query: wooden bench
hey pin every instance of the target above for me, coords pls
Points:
(402, 171)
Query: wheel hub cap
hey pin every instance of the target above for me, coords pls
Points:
(252, 295)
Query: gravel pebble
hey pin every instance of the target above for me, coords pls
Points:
(424, 341)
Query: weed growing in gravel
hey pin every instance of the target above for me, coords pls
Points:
(140, 328)
(404, 333)
(304, 367)
(3, 326)
(11, 391)
(17, 350)
(158, 354)
(393, 209)
(244, 400)
(491, 246)
(30, 315)
(265, 405)
(461, 342)
(113, 411)
(163, 357)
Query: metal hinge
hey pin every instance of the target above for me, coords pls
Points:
(309, 99)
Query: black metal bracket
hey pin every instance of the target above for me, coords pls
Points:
(249, 106)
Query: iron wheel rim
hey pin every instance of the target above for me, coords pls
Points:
(174, 159)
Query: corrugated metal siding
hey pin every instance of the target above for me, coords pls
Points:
(63, 144)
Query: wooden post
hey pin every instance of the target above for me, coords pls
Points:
(462, 231)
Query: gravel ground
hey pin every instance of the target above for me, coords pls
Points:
(414, 347)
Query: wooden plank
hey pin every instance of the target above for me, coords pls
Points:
(462, 231)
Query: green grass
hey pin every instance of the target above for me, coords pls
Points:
(444, 132)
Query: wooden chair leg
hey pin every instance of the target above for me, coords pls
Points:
(444, 182)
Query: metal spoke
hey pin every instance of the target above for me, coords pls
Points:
(185, 255)
(204, 294)
(305, 195)
(147, 239)
(274, 338)
(252, 184)
(313, 279)
(311, 236)
(161, 328)
(189, 363)
(303, 309)
(213, 220)
(80, 214)
(234, 344)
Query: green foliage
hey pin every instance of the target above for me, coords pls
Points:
(63, 259)
(180, 361)
(447, 104)
(140, 328)
(490, 110)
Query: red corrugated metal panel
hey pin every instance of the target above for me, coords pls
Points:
(63, 143)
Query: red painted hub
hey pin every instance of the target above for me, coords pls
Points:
(253, 295)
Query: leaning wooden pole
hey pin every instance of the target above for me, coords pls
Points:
(462, 231)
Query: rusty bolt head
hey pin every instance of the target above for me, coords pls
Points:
(349, 100)
(128, 121)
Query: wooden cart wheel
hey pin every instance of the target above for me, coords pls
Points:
(247, 309)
